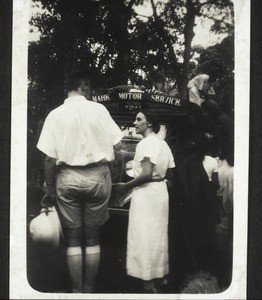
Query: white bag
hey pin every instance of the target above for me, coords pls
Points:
(46, 227)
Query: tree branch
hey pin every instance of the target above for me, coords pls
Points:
(154, 9)
(188, 35)
(160, 29)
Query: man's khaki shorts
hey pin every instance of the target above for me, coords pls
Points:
(83, 194)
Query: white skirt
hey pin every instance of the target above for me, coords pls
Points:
(147, 239)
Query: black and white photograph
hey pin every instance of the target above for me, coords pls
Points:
(130, 131)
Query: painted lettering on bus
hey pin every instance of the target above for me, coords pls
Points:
(167, 100)
(173, 101)
(101, 98)
(130, 96)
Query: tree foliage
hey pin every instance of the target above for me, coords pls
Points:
(117, 44)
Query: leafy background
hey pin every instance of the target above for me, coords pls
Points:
(145, 43)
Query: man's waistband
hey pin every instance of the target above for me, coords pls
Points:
(92, 165)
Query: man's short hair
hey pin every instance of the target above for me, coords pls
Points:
(75, 79)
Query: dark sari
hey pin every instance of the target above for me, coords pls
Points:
(196, 213)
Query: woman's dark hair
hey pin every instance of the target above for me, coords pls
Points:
(152, 118)
(75, 79)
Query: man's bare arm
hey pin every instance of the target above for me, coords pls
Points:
(50, 178)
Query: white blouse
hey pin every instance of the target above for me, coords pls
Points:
(158, 152)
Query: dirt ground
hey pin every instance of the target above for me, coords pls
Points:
(47, 270)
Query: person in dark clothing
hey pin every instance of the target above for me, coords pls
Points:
(196, 209)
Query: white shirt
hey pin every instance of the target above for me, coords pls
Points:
(210, 164)
(79, 132)
(199, 83)
(158, 152)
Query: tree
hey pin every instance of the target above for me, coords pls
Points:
(179, 17)
(213, 9)
(114, 41)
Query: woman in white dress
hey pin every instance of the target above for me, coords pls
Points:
(147, 238)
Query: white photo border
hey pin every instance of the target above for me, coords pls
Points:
(19, 286)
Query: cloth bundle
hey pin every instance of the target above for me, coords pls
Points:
(46, 227)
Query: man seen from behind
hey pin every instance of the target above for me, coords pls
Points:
(79, 138)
